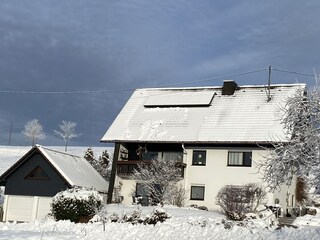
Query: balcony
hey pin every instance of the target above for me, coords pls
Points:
(125, 168)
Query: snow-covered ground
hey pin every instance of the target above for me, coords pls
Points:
(184, 224)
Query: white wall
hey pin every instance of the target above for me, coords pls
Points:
(216, 174)
(128, 188)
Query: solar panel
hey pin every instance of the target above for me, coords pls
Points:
(177, 99)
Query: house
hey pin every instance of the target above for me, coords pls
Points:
(40, 174)
(220, 134)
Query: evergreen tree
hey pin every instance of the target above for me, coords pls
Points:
(101, 165)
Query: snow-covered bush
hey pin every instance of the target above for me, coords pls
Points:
(76, 204)
(135, 217)
(158, 215)
(236, 201)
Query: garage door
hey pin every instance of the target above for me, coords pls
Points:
(25, 208)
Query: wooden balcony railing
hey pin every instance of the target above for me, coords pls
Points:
(125, 168)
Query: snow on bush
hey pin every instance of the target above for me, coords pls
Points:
(134, 217)
(76, 204)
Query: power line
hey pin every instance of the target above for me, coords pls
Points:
(155, 86)
(219, 78)
(130, 89)
(297, 73)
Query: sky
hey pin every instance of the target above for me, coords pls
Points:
(80, 60)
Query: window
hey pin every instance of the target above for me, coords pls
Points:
(240, 159)
(149, 155)
(141, 196)
(197, 193)
(37, 174)
(175, 156)
(141, 190)
(199, 158)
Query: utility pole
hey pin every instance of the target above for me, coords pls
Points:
(10, 134)
(269, 83)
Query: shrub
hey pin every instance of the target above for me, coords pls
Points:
(157, 215)
(76, 205)
(133, 218)
(236, 201)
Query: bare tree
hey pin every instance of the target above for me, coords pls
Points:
(67, 132)
(298, 154)
(33, 131)
(159, 178)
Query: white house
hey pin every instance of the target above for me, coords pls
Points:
(40, 174)
(219, 134)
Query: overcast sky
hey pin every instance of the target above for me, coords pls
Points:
(80, 45)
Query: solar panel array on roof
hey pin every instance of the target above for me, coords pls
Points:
(181, 98)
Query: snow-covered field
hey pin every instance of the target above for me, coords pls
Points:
(184, 224)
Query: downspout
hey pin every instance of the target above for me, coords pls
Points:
(184, 149)
(185, 172)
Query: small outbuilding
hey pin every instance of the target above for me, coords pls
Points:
(39, 175)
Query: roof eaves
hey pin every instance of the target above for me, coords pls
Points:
(194, 142)
(17, 164)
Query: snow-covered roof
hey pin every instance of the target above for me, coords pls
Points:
(206, 115)
(77, 171)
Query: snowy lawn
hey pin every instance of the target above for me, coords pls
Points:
(184, 224)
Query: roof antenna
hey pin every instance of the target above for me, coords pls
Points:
(269, 83)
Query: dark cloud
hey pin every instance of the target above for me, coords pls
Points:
(80, 45)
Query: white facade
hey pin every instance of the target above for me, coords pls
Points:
(215, 174)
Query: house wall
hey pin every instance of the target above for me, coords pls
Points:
(16, 184)
(128, 188)
(216, 174)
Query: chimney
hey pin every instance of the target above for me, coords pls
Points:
(229, 87)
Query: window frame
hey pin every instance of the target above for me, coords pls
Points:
(245, 160)
(194, 162)
(199, 198)
(37, 174)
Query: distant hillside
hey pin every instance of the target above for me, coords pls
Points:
(10, 154)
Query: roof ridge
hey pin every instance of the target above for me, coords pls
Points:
(56, 151)
(220, 87)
